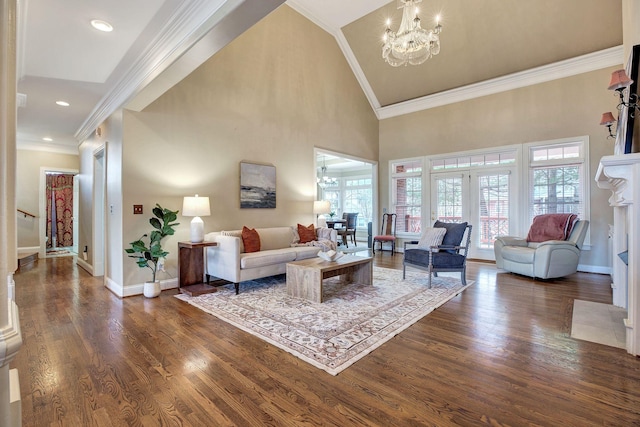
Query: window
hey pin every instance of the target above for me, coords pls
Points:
(358, 198)
(557, 179)
(406, 195)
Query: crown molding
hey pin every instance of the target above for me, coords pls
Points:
(311, 16)
(49, 147)
(558, 70)
(189, 24)
(357, 71)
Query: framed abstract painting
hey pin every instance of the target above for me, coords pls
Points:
(257, 186)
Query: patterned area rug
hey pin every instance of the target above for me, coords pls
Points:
(352, 321)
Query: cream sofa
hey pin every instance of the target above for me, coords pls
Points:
(278, 246)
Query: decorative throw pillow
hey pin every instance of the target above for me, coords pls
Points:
(250, 239)
(307, 234)
(431, 237)
(454, 233)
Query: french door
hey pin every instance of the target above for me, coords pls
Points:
(480, 197)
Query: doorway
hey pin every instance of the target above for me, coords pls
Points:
(350, 185)
(481, 197)
(58, 208)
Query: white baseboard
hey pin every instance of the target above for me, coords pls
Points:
(114, 286)
(29, 249)
(84, 265)
(15, 404)
(138, 289)
(597, 269)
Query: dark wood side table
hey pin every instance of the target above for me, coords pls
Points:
(191, 268)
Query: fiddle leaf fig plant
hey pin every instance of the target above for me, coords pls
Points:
(147, 250)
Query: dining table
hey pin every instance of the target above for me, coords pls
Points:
(331, 223)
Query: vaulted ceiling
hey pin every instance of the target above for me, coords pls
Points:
(486, 46)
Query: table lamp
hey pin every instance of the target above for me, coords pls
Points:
(196, 207)
(321, 207)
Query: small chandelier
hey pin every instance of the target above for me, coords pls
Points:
(323, 180)
(411, 44)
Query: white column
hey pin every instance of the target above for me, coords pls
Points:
(10, 339)
(618, 267)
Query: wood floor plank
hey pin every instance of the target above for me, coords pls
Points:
(498, 354)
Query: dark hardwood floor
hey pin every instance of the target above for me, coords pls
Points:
(498, 354)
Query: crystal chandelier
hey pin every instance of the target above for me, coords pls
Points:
(411, 44)
(323, 180)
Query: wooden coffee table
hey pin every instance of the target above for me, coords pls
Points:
(304, 278)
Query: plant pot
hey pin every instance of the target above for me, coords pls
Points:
(152, 289)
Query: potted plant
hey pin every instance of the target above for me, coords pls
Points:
(332, 214)
(149, 254)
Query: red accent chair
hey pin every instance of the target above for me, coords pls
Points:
(387, 233)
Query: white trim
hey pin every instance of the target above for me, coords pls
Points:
(310, 15)
(84, 265)
(29, 249)
(114, 286)
(181, 32)
(137, 289)
(47, 147)
(595, 269)
(358, 73)
(10, 336)
(582, 161)
(558, 70)
(15, 404)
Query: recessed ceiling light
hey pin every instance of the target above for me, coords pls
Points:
(46, 138)
(62, 103)
(101, 25)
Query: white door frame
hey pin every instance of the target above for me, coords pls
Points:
(99, 207)
(42, 208)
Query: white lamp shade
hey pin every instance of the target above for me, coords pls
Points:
(321, 207)
(196, 207)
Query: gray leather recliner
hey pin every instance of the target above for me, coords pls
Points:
(544, 260)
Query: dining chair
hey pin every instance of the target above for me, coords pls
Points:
(349, 229)
(387, 233)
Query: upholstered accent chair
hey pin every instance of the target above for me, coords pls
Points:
(448, 256)
(387, 233)
(543, 260)
(349, 229)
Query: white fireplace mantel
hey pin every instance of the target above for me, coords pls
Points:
(621, 175)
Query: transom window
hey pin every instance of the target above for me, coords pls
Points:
(557, 179)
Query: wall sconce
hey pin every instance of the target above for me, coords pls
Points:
(608, 120)
(619, 82)
(196, 207)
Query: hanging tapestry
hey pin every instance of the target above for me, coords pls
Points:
(59, 196)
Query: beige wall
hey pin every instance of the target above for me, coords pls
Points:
(28, 169)
(266, 98)
(562, 108)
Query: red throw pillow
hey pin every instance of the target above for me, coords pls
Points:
(307, 234)
(250, 239)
